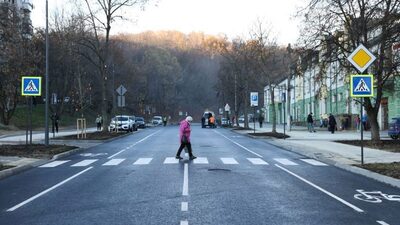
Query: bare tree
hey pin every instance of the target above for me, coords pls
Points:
(373, 23)
(16, 54)
(101, 14)
(270, 61)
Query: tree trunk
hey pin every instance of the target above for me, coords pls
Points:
(104, 107)
(373, 121)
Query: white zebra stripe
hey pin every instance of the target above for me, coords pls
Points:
(143, 161)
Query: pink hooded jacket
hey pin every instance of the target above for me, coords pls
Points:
(184, 129)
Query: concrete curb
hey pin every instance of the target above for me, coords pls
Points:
(15, 170)
(370, 174)
(66, 154)
(357, 170)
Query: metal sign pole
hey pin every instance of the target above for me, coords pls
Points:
(362, 133)
(30, 120)
(361, 58)
(46, 133)
(284, 120)
(27, 121)
(254, 119)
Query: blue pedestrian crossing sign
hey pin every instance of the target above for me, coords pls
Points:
(253, 99)
(31, 86)
(362, 85)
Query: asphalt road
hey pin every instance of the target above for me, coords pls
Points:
(234, 180)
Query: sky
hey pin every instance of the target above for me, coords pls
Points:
(233, 18)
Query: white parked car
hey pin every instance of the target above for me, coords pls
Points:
(157, 120)
(123, 123)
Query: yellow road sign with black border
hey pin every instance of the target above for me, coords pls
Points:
(361, 58)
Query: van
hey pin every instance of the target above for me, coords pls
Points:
(206, 118)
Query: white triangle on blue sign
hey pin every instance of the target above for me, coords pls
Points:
(31, 87)
(362, 86)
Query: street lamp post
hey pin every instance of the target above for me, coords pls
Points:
(46, 114)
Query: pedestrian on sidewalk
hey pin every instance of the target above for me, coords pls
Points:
(357, 122)
(365, 122)
(261, 120)
(184, 137)
(55, 119)
(332, 123)
(98, 122)
(321, 121)
(165, 121)
(310, 122)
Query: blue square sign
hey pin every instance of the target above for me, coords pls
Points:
(31, 86)
(362, 85)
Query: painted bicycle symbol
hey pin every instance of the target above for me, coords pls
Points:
(375, 196)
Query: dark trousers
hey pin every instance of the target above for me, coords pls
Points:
(55, 125)
(183, 145)
(332, 129)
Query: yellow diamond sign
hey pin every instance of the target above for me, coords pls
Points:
(361, 58)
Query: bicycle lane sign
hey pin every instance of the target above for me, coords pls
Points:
(375, 196)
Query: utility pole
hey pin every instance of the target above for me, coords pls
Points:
(46, 114)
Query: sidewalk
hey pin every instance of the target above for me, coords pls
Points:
(21, 163)
(321, 146)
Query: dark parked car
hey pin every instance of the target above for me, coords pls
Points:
(140, 122)
(394, 128)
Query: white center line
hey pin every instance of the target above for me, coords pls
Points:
(322, 190)
(238, 144)
(184, 207)
(46, 191)
(185, 190)
(382, 222)
(184, 222)
(133, 145)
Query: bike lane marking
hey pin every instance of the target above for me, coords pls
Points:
(375, 196)
(321, 189)
(141, 140)
(47, 190)
(239, 144)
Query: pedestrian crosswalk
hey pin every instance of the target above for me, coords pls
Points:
(85, 162)
(172, 160)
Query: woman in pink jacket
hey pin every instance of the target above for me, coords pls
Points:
(184, 137)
